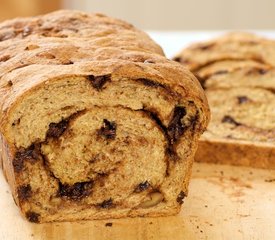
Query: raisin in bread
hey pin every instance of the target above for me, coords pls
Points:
(95, 121)
(240, 91)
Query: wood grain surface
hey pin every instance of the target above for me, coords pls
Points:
(224, 202)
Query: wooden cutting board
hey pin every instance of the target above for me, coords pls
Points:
(224, 202)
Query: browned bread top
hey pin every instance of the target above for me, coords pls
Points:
(231, 46)
(75, 24)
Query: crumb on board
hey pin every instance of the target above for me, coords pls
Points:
(108, 224)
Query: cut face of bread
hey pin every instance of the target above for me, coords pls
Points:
(242, 114)
(237, 73)
(106, 136)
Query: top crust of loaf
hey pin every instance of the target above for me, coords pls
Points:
(231, 46)
(35, 51)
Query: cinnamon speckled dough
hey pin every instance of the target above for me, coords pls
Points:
(96, 122)
(237, 71)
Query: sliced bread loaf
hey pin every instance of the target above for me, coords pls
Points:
(95, 121)
(237, 72)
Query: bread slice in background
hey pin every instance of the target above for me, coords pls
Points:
(237, 72)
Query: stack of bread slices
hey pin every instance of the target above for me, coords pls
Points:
(237, 72)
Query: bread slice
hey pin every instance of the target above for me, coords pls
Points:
(240, 90)
(96, 123)
(241, 131)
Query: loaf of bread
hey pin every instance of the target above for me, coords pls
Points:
(95, 121)
(238, 73)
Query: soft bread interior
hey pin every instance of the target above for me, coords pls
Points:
(61, 98)
(89, 147)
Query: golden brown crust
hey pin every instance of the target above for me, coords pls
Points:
(236, 152)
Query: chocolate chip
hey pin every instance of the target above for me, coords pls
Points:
(31, 153)
(57, 129)
(24, 192)
(76, 191)
(18, 163)
(109, 224)
(150, 83)
(231, 120)
(257, 71)
(220, 72)
(106, 204)
(33, 216)
(177, 59)
(206, 46)
(108, 130)
(243, 99)
(99, 81)
(181, 197)
(67, 62)
(142, 186)
(262, 71)
(10, 83)
(176, 128)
